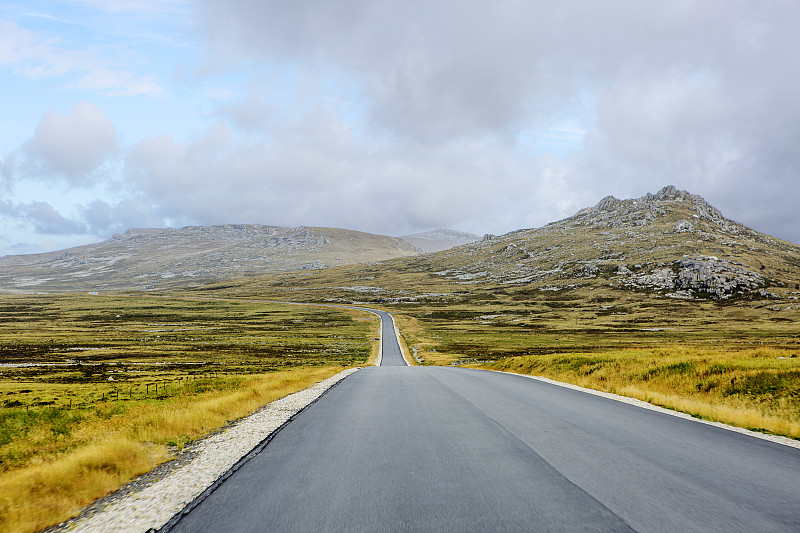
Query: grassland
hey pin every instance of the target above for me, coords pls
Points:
(736, 361)
(732, 363)
(752, 388)
(98, 389)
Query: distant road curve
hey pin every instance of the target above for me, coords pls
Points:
(391, 354)
(397, 448)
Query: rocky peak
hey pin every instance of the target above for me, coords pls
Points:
(670, 202)
(670, 192)
(607, 203)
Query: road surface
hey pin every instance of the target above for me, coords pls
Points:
(390, 348)
(397, 448)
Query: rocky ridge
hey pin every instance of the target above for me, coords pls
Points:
(671, 242)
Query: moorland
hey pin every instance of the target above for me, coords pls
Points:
(97, 389)
(660, 298)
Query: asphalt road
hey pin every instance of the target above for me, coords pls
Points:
(390, 348)
(397, 448)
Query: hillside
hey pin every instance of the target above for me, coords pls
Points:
(671, 244)
(159, 258)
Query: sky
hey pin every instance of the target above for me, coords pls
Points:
(389, 116)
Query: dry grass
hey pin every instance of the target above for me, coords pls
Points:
(408, 355)
(755, 388)
(416, 344)
(105, 450)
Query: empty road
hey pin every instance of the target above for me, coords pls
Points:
(397, 448)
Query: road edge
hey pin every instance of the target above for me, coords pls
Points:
(778, 439)
(133, 510)
(172, 522)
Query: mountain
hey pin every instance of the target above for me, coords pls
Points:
(440, 239)
(157, 258)
(671, 242)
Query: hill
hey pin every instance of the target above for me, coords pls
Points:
(671, 244)
(159, 258)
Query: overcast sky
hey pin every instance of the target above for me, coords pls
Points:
(389, 117)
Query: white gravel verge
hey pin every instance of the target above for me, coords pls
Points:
(155, 504)
(639, 403)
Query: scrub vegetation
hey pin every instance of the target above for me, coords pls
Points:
(95, 390)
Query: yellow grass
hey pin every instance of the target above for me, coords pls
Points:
(375, 345)
(737, 415)
(408, 355)
(415, 341)
(753, 388)
(105, 453)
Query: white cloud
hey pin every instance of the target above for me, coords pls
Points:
(38, 56)
(699, 93)
(71, 145)
(395, 117)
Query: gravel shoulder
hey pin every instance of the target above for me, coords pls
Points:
(150, 501)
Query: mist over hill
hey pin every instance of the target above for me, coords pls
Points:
(440, 239)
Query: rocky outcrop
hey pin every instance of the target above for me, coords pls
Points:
(702, 276)
(638, 212)
(671, 242)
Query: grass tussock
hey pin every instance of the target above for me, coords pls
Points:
(57, 473)
(753, 388)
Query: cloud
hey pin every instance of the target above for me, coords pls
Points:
(317, 170)
(117, 83)
(38, 55)
(98, 216)
(43, 217)
(71, 145)
(67, 147)
(700, 94)
(397, 117)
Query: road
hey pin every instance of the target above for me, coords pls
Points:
(390, 348)
(397, 448)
